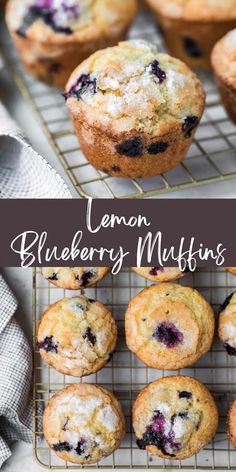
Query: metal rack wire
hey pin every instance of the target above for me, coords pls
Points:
(211, 158)
(126, 376)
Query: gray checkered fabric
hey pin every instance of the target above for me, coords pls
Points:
(15, 377)
(23, 172)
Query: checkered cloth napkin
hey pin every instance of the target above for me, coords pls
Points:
(15, 377)
(23, 172)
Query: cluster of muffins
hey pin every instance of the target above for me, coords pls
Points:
(167, 326)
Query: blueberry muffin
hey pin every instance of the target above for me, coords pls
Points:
(227, 324)
(135, 110)
(77, 336)
(231, 423)
(159, 274)
(83, 423)
(169, 326)
(54, 36)
(224, 66)
(74, 278)
(192, 27)
(174, 417)
(232, 270)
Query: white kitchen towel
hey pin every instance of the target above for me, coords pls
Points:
(23, 172)
(15, 377)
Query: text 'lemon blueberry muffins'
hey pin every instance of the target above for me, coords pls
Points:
(83, 423)
(224, 66)
(169, 326)
(174, 417)
(54, 36)
(74, 278)
(192, 27)
(135, 110)
(77, 336)
(160, 274)
(227, 324)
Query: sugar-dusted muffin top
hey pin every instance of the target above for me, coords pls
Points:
(227, 324)
(159, 274)
(193, 10)
(133, 87)
(67, 20)
(77, 336)
(83, 423)
(174, 417)
(74, 278)
(224, 58)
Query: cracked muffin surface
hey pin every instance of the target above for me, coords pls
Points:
(174, 417)
(169, 326)
(135, 110)
(159, 274)
(227, 324)
(77, 336)
(74, 278)
(83, 423)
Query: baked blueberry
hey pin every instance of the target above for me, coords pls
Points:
(130, 147)
(90, 336)
(191, 47)
(168, 334)
(86, 277)
(158, 147)
(157, 71)
(226, 302)
(190, 123)
(185, 394)
(62, 446)
(48, 345)
(230, 349)
(81, 447)
(154, 270)
(84, 84)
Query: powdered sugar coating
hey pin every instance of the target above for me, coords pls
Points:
(132, 96)
(83, 423)
(77, 336)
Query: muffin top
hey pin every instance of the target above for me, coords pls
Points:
(174, 417)
(196, 10)
(77, 336)
(227, 324)
(69, 20)
(224, 58)
(169, 326)
(159, 274)
(83, 423)
(133, 87)
(73, 278)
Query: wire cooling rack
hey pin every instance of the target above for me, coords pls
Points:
(126, 375)
(211, 158)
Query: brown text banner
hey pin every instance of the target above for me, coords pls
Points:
(118, 233)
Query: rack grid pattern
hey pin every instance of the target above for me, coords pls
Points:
(126, 375)
(210, 159)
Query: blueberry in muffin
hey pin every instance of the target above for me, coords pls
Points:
(160, 274)
(54, 36)
(192, 27)
(83, 423)
(74, 278)
(174, 417)
(169, 326)
(77, 336)
(227, 324)
(135, 110)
